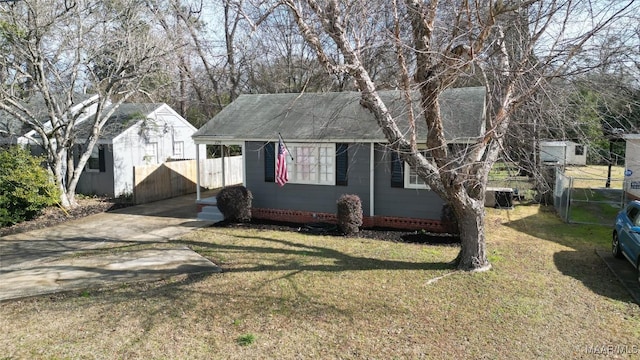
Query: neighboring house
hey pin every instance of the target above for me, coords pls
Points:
(563, 153)
(14, 131)
(632, 166)
(338, 148)
(10, 130)
(136, 134)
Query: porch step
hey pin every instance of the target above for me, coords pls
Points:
(210, 213)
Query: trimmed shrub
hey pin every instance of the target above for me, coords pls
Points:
(25, 186)
(234, 202)
(349, 214)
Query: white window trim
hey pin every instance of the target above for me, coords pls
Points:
(180, 145)
(292, 166)
(151, 158)
(407, 177)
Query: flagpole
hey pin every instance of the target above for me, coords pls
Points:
(285, 145)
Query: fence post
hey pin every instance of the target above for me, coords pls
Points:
(569, 200)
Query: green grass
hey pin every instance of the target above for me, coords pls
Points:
(246, 339)
(291, 295)
(591, 202)
(593, 212)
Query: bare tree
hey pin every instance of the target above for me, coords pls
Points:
(73, 61)
(510, 46)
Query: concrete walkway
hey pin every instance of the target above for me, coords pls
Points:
(76, 254)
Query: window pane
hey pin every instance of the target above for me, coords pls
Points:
(412, 179)
(326, 165)
(94, 161)
(311, 164)
(178, 149)
(151, 152)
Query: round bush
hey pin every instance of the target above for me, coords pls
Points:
(25, 186)
(234, 202)
(349, 214)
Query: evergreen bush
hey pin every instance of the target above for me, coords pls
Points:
(349, 214)
(234, 202)
(25, 186)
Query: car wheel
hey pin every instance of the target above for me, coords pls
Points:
(615, 246)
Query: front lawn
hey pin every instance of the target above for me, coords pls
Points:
(286, 295)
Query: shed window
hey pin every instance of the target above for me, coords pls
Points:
(579, 150)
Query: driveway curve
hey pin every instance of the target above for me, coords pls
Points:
(80, 254)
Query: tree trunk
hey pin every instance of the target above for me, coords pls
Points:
(473, 251)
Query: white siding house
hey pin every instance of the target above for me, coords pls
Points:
(137, 134)
(563, 153)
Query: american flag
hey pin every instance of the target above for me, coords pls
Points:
(281, 165)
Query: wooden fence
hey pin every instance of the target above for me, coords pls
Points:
(171, 179)
(211, 172)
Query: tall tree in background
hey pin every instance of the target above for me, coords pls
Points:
(513, 46)
(66, 59)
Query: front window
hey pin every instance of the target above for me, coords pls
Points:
(311, 163)
(411, 178)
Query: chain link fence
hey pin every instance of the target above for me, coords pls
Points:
(587, 200)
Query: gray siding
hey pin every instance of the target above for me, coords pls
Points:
(320, 198)
(98, 183)
(398, 202)
(415, 203)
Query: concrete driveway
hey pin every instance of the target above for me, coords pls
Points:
(75, 255)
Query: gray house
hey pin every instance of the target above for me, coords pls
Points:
(336, 147)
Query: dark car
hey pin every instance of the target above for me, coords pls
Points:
(626, 235)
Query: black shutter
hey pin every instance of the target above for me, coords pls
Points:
(269, 162)
(342, 164)
(101, 160)
(397, 170)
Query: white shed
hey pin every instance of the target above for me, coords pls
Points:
(632, 165)
(563, 153)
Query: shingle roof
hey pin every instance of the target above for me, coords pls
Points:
(125, 116)
(337, 116)
(12, 127)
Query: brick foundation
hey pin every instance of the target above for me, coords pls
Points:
(401, 223)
